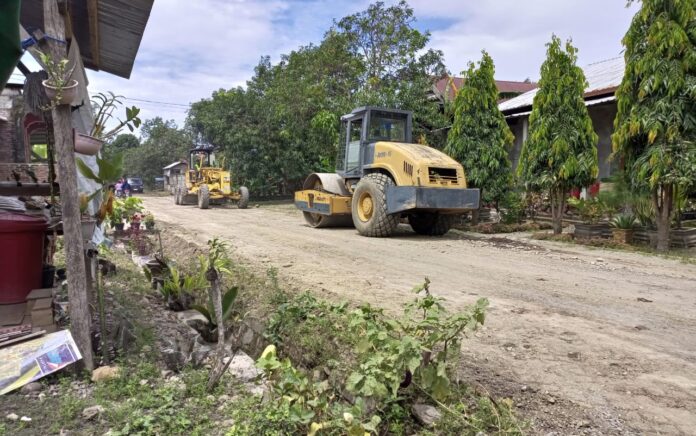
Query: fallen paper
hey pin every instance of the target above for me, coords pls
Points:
(31, 360)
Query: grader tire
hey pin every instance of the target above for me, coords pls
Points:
(203, 197)
(243, 202)
(430, 224)
(369, 207)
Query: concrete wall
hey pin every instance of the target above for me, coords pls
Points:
(9, 142)
(520, 128)
(24, 171)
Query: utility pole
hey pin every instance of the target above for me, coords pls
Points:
(80, 319)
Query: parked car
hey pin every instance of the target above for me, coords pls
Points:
(136, 184)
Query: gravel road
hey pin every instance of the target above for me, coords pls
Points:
(585, 341)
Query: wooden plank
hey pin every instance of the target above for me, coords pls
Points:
(26, 189)
(80, 319)
(23, 338)
(93, 13)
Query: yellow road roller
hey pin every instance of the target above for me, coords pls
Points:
(382, 176)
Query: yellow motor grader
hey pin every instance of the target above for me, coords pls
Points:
(206, 183)
(382, 177)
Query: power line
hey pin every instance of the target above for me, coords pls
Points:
(174, 106)
(157, 102)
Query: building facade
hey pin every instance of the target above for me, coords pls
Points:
(603, 79)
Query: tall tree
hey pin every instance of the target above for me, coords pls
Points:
(480, 137)
(162, 143)
(561, 150)
(120, 144)
(285, 124)
(398, 71)
(655, 127)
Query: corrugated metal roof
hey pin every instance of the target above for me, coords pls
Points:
(172, 165)
(121, 24)
(603, 78)
(451, 85)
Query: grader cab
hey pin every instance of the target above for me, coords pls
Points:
(206, 183)
(382, 176)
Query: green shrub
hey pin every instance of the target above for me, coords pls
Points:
(623, 221)
(513, 208)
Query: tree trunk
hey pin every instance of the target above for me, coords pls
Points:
(220, 365)
(80, 319)
(557, 196)
(663, 202)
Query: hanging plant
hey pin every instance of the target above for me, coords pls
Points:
(103, 106)
(60, 88)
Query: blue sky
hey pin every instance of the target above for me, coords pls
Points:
(192, 48)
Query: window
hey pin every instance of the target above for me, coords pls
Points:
(341, 157)
(39, 153)
(353, 152)
(387, 126)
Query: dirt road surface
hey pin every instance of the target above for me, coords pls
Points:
(585, 341)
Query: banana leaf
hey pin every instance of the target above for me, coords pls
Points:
(10, 49)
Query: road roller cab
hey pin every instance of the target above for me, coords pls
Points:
(382, 176)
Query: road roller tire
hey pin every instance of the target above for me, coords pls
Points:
(430, 224)
(369, 207)
(243, 202)
(203, 197)
(318, 220)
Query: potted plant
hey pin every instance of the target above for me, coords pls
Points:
(85, 144)
(622, 228)
(132, 205)
(135, 220)
(116, 216)
(103, 106)
(60, 88)
(644, 232)
(149, 221)
(682, 236)
(591, 212)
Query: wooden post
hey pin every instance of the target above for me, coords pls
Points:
(220, 365)
(80, 319)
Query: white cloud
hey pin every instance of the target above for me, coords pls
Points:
(191, 48)
(515, 33)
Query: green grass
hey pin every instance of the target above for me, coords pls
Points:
(687, 256)
(313, 332)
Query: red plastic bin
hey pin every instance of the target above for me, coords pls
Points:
(21, 255)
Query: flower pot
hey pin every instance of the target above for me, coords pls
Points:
(88, 227)
(641, 235)
(119, 226)
(683, 238)
(67, 96)
(591, 231)
(85, 144)
(623, 236)
(135, 226)
(149, 226)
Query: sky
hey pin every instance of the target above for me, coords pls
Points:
(192, 48)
